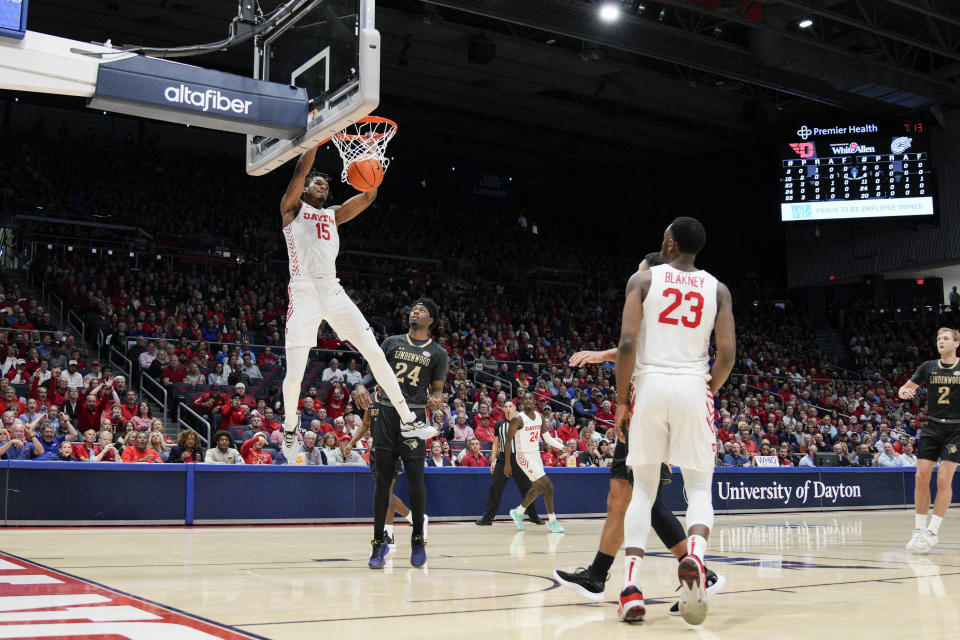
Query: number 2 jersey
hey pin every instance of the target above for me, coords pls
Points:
(943, 389)
(678, 317)
(312, 243)
(416, 364)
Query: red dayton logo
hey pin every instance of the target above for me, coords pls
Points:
(803, 149)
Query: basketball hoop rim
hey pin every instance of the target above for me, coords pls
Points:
(368, 120)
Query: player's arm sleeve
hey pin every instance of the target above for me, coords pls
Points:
(922, 374)
(550, 440)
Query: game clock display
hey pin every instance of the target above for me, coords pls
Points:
(856, 170)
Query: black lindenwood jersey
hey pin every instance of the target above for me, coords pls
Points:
(416, 364)
(943, 389)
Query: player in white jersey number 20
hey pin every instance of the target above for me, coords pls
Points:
(311, 232)
(669, 314)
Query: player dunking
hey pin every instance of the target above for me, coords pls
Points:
(310, 229)
(939, 438)
(525, 431)
(590, 582)
(421, 368)
(668, 316)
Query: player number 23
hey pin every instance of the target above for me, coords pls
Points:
(413, 377)
(696, 308)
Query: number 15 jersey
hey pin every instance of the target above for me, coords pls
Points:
(678, 317)
(312, 243)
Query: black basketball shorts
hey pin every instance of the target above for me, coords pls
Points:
(939, 442)
(620, 470)
(388, 439)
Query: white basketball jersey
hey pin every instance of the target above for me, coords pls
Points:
(528, 438)
(312, 243)
(678, 317)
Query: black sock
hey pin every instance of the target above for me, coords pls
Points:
(601, 565)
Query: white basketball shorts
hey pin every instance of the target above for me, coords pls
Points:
(672, 421)
(313, 300)
(531, 464)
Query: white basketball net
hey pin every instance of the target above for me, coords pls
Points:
(366, 138)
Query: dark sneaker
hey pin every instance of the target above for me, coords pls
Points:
(379, 555)
(483, 522)
(582, 582)
(418, 551)
(537, 520)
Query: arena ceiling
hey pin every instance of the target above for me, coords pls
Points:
(668, 79)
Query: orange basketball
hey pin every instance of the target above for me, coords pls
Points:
(365, 174)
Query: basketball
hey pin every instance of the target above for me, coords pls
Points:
(365, 174)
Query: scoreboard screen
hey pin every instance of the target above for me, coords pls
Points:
(13, 18)
(856, 170)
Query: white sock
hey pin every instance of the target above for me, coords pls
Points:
(921, 519)
(521, 508)
(389, 529)
(697, 546)
(934, 525)
(631, 576)
(409, 517)
(552, 517)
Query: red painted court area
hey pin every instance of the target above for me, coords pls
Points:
(37, 602)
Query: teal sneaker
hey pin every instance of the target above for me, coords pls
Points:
(555, 527)
(517, 515)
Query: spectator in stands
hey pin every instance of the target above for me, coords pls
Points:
(109, 451)
(232, 414)
(330, 445)
(582, 408)
(336, 400)
(31, 413)
(217, 376)
(71, 404)
(236, 375)
(140, 452)
(194, 375)
(568, 457)
(888, 458)
(157, 425)
(474, 457)
(307, 414)
(174, 373)
(57, 359)
(269, 421)
(87, 450)
(147, 357)
(224, 452)
(50, 441)
(187, 448)
(568, 430)
(590, 457)
(252, 450)
(352, 376)
(251, 369)
(209, 402)
(72, 376)
(63, 453)
(845, 459)
(346, 456)
(144, 417)
(130, 407)
(246, 398)
(907, 458)
(12, 403)
(483, 426)
(267, 358)
(23, 443)
(784, 457)
(736, 458)
(436, 457)
(809, 460)
(310, 452)
(93, 376)
(462, 432)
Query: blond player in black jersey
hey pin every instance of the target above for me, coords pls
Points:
(939, 438)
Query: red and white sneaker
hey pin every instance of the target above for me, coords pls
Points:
(693, 593)
(631, 605)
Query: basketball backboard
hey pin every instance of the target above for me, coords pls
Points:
(331, 48)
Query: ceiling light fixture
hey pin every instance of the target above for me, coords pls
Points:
(806, 23)
(609, 12)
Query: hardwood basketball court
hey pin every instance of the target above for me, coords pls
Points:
(822, 575)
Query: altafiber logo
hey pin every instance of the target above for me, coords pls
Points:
(801, 211)
(206, 100)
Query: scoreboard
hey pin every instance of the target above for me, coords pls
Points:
(13, 18)
(841, 171)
